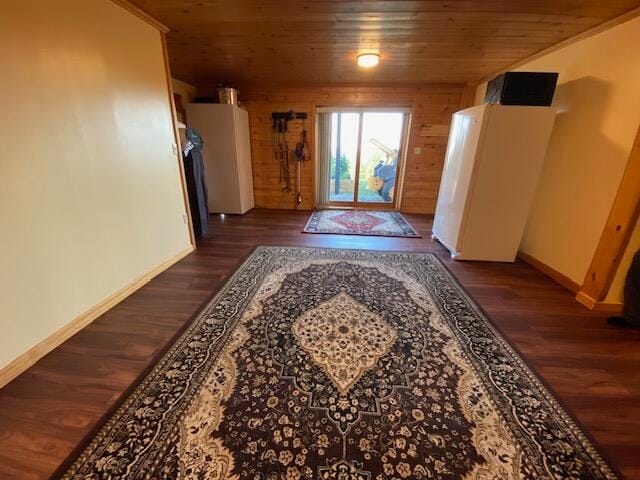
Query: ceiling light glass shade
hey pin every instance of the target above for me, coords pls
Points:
(368, 60)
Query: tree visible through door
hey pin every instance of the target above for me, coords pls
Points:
(364, 157)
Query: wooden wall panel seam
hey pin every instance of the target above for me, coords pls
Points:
(631, 14)
(431, 105)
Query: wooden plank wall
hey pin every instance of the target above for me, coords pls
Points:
(431, 106)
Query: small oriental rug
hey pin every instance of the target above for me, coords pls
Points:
(340, 364)
(385, 223)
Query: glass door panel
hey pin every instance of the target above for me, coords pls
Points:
(379, 152)
(345, 128)
(361, 150)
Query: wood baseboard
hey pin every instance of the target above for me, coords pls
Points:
(597, 306)
(561, 278)
(35, 353)
(569, 284)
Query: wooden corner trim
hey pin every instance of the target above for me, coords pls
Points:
(561, 278)
(176, 137)
(617, 231)
(586, 300)
(138, 12)
(35, 353)
(581, 297)
(592, 304)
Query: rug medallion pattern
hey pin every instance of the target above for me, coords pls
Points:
(340, 364)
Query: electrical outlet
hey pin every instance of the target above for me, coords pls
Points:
(185, 218)
(174, 148)
(417, 151)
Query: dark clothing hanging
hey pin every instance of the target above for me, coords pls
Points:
(631, 302)
(197, 188)
(632, 292)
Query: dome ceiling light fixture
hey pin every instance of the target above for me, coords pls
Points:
(368, 60)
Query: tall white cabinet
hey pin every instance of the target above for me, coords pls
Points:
(494, 158)
(226, 154)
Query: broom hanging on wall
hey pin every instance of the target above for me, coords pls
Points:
(281, 149)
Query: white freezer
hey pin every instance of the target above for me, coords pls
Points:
(494, 158)
(226, 155)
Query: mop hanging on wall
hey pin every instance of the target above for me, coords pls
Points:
(280, 129)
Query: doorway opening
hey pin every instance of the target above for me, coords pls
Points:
(361, 153)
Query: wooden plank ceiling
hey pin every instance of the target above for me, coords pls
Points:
(316, 41)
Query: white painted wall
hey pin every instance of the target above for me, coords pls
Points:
(90, 192)
(598, 98)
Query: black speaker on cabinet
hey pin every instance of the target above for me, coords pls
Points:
(522, 88)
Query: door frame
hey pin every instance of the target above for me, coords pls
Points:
(400, 167)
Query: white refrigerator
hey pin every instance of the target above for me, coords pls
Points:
(494, 158)
(224, 128)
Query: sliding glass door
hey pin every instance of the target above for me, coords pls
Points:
(380, 147)
(363, 152)
(343, 157)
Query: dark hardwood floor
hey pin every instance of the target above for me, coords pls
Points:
(593, 368)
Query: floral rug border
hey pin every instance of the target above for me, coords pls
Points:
(440, 291)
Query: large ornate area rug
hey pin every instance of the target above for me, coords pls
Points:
(346, 365)
(360, 222)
